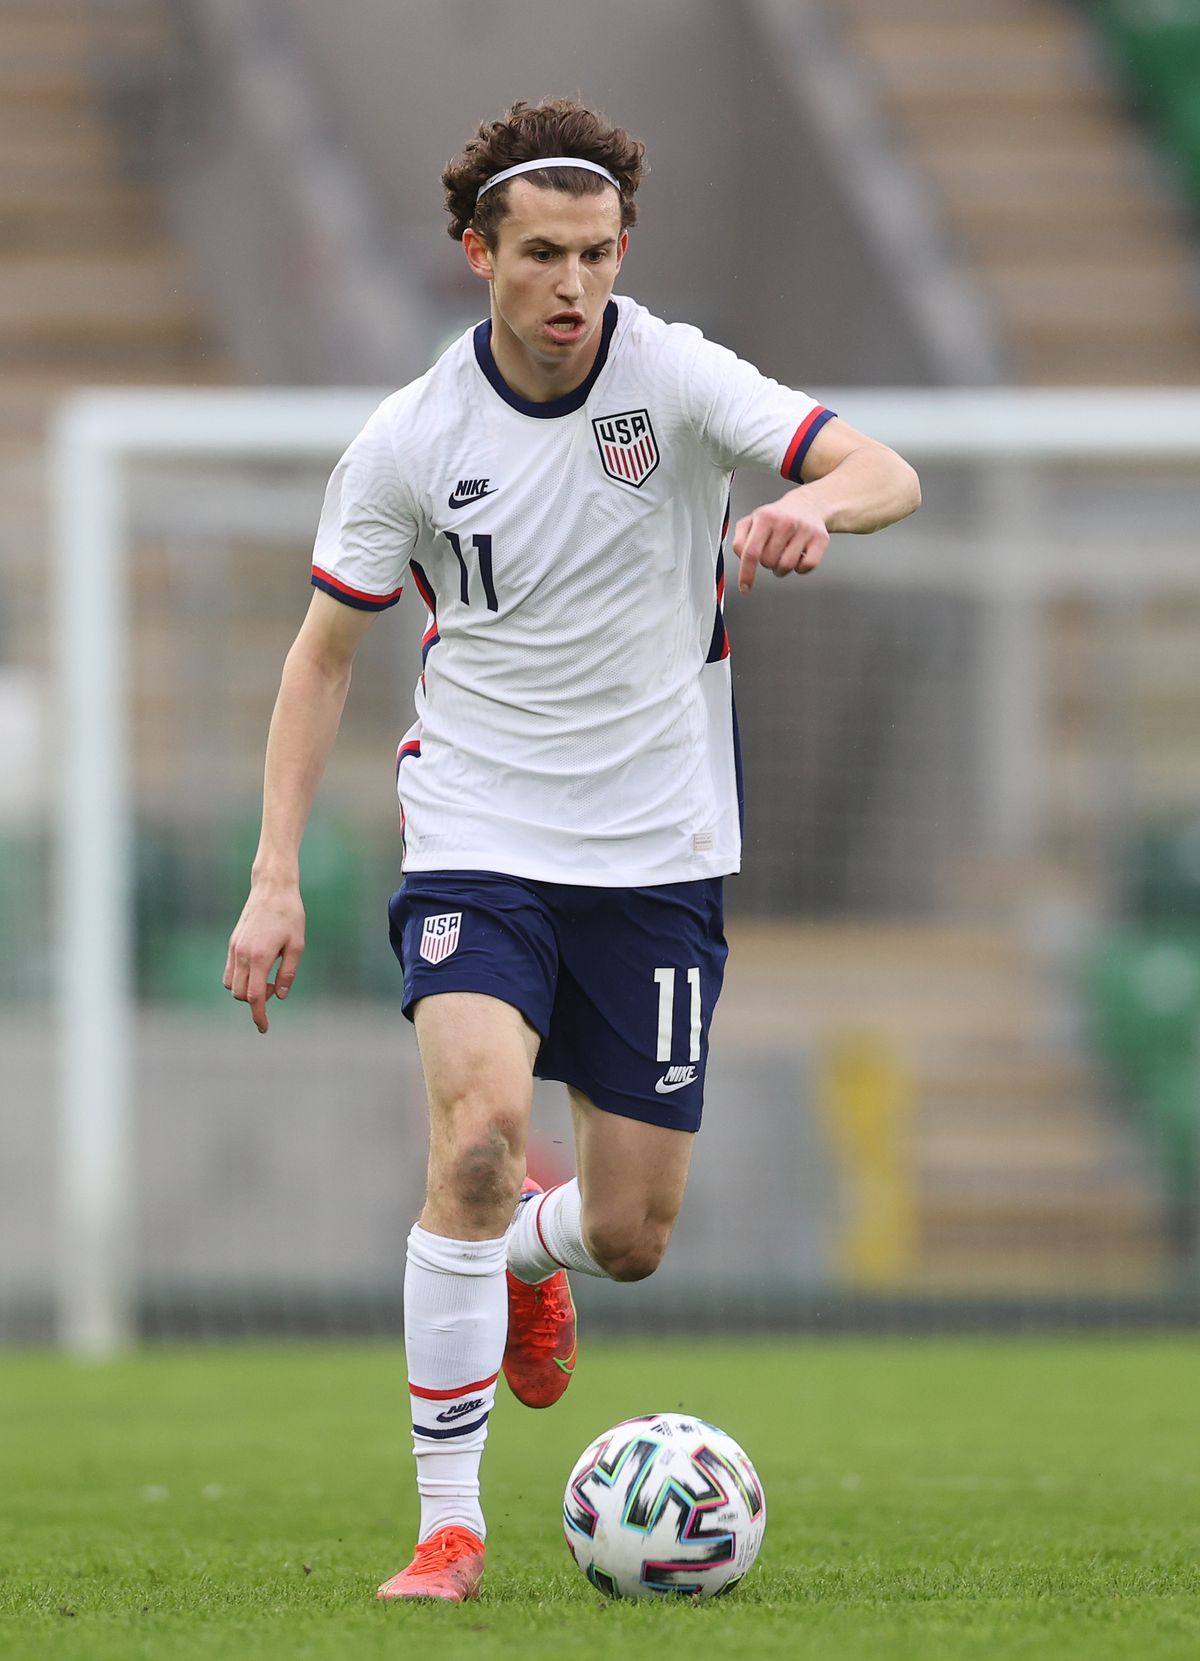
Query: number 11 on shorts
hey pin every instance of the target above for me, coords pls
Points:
(665, 979)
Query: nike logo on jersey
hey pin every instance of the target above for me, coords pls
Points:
(674, 1079)
(470, 490)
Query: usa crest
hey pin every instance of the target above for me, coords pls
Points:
(628, 447)
(439, 936)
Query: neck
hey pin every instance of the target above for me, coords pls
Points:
(541, 380)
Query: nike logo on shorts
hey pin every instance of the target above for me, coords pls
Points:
(675, 1078)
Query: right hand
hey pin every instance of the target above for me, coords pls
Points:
(270, 931)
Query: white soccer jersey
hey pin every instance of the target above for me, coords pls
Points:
(575, 715)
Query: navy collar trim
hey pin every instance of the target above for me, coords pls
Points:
(570, 401)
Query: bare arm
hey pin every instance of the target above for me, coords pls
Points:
(851, 484)
(308, 711)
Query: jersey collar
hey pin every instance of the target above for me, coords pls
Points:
(570, 401)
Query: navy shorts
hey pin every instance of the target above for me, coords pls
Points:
(620, 982)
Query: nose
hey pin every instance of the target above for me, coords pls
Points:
(570, 279)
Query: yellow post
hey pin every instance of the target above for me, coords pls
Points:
(865, 1096)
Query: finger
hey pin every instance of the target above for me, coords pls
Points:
(241, 976)
(250, 987)
(803, 552)
(814, 552)
(227, 977)
(256, 992)
(752, 535)
(774, 544)
(793, 554)
(288, 966)
(745, 569)
(783, 550)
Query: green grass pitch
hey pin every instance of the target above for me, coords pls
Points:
(926, 1499)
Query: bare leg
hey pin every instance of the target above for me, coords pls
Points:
(632, 1177)
(477, 1054)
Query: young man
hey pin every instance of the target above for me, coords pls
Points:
(557, 486)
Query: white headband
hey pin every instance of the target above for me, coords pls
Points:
(546, 161)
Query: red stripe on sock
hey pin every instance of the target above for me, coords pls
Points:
(537, 1223)
(449, 1395)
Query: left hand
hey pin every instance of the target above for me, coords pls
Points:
(786, 535)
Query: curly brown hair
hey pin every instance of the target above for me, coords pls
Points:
(555, 127)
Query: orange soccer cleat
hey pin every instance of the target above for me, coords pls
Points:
(539, 1358)
(449, 1565)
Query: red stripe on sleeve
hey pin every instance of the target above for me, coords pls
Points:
(798, 437)
(357, 593)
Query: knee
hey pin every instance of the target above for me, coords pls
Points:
(482, 1162)
(627, 1253)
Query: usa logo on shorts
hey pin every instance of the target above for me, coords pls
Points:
(439, 936)
(628, 447)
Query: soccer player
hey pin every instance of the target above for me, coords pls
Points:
(557, 488)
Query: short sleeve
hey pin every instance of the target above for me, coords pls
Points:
(745, 419)
(368, 527)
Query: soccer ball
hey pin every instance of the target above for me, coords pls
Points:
(664, 1504)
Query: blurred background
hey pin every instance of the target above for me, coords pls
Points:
(955, 1077)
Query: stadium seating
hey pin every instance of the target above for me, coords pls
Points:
(1021, 1176)
(1042, 178)
(1143, 982)
(190, 888)
(1158, 48)
(1145, 994)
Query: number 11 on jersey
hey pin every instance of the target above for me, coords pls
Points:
(666, 1013)
(483, 547)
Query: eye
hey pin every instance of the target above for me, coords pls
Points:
(543, 255)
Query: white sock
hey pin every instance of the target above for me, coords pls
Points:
(546, 1235)
(455, 1326)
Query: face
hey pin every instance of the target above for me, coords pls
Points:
(552, 270)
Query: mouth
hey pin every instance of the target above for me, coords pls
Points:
(566, 326)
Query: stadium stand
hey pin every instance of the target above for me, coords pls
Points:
(1022, 1176)
(1157, 49)
(92, 286)
(1080, 235)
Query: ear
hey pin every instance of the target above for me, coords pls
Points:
(622, 247)
(478, 254)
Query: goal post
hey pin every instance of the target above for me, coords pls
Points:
(95, 436)
(98, 434)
